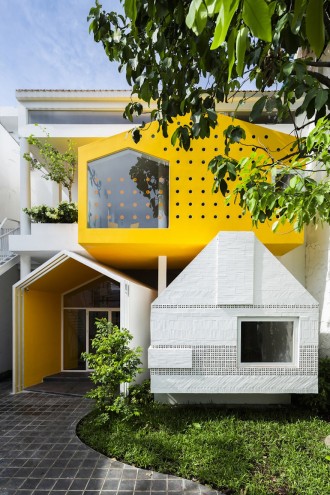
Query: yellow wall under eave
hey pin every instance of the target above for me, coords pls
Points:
(42, 335)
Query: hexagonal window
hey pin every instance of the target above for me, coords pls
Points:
(128, 190)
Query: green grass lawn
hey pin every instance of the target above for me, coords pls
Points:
(241, 452)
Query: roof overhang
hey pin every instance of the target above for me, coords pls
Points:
(67, 270)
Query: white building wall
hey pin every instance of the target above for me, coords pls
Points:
(200, 316)
(9, 176)
(318, 278)
(7, 280)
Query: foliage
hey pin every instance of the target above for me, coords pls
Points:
(320, 402)
(113, 362)
(139, 394)
(64, 213)
(146, 175)
(189, 55)
(55, 165)
(248, 451)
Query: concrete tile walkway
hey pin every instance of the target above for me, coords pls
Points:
(40, 453)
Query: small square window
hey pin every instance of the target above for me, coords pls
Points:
(267, 341)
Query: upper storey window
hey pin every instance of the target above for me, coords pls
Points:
(128, 190)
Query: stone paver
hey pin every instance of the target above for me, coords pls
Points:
(40, 453)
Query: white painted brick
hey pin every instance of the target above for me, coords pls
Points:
(234, 384)
(169, 358)
(234, 269)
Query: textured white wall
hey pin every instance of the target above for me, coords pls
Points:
(318, 278)
(234, 277)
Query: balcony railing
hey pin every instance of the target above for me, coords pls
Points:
(8, 227)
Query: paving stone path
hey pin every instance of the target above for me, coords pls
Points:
(40, 453)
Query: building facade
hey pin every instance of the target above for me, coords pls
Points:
(146, 215)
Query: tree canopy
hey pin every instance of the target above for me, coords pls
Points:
(189, 55)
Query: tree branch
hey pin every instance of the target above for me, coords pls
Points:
(317, 63)
(320, 77)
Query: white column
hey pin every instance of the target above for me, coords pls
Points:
(25, 195)
(162, 273)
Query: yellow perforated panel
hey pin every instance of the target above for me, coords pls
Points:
(195, 214)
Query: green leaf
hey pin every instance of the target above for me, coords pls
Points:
(319, 199)
(130, 9)
(257, 108)
(201, 18)
(223, 187)
(315, 26)
(299, 10)
(275, 226)
(231, 51)
(226, 13)
(190, 19)
(240, 50)
(257, 15)
(174, 136)
(321, 98)
(212, 6)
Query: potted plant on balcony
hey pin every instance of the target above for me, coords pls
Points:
(59, 167)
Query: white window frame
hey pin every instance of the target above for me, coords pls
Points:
(295, 344)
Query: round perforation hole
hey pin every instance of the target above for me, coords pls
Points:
(177, 178)
(190, 161)
(253, 136)
(227, 216)
(190, 191)
(177, 191)
(215, 216)
(202, 216)
(215, 204)
(177, 216)
(203, 191)
(190, 204)
(266, 136)
(216, 136)
(189, 178)
(202, 178)
(189, 216)
(203, 204)
(153, 136)
(203, 161)
(178, 161)
(165, 149)
(177, 204)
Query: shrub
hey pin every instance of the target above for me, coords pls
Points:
(140, 395)
(113, 362)
(64, 213)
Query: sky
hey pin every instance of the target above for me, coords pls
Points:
(45, 44)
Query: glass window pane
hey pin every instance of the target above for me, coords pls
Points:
(128, 190)
(101, 293)
(82, 117)
(74, 338)
(92, 317)
(266, 341)
(115, 318)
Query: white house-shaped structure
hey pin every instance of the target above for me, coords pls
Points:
(235, 321)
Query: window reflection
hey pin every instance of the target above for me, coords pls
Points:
(128, 190)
